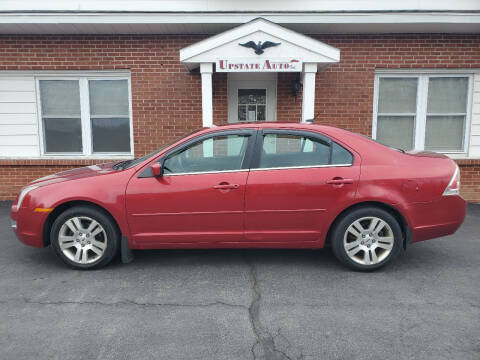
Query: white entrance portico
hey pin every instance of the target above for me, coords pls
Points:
(252, 54)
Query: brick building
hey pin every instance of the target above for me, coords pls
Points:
(116, 80)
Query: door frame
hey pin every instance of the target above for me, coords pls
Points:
(236, 81)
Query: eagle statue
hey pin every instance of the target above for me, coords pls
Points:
(260, 46)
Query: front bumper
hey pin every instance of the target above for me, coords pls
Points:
(28, 225)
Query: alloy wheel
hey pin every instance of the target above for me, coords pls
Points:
(82, 239)
(368, 240)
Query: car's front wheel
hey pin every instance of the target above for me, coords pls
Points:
(366, 238)
(84, 237)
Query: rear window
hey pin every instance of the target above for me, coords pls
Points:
(340, 155)
(292, 150)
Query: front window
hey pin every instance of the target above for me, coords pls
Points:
(218, 153)
(84, 116)
(423, 112)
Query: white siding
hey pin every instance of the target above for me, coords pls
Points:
(235, 5)
(474, 151)
(18, 118)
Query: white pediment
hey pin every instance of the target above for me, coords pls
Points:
(226, 46)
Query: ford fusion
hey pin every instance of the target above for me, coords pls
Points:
(260, 185)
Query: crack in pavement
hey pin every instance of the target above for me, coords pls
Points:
(125, 302)
(264, 337)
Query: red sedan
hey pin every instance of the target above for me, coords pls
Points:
(268, 185)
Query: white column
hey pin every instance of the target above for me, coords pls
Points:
(207, 107)
(308, 100)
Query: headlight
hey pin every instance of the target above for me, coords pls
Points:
(24, 192)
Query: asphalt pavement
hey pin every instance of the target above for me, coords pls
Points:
(243, 304)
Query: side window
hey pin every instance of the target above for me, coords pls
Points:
(340, 155)
(218, 153)
(289, 150)
(284, 150)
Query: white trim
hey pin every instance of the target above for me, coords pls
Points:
(65, 73)
(206, 6)
(207, 172)
(421, 115)
(319, 51)
(302, 167)
(454, 20)
(308, 99)
(69, 157)
(422, 94)
(83, 78)
(85, 117)
(260, 169)
(206, 70)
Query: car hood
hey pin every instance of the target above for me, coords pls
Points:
(78, 173)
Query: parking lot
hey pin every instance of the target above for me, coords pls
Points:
(243, 304)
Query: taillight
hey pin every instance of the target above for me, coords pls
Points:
(453, 187)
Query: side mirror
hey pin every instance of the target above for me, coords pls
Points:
(157, 169)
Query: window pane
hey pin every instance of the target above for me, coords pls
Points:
(252, 96)
(447, 95)
(242, 112)
(62, 135)
(290, 150)
(108, 97)
(444, 133)
(397, 95)
(252, 113)
(340, 155)
(261, 112)
(60, 98)
(219, 153)
(111, 134)
(396, 131)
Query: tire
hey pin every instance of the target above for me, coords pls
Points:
(372, 236)
(85, 238)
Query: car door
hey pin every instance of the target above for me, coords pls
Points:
(296, 178)
(199, 198)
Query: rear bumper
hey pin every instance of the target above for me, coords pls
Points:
(28, 225)
(438, 218)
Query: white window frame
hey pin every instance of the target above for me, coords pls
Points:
(87, 139)
(420, 116)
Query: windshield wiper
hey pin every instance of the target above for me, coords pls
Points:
(121, 165)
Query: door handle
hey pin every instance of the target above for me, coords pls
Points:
(339, 181)
(226, 186)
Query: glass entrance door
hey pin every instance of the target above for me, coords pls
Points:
(252, 97)
(252, 104)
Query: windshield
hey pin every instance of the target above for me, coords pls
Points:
(127, 164)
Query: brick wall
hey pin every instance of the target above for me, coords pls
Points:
(166, 98)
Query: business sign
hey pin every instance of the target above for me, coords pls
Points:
(258, 65)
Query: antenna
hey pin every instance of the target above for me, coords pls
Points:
(311, 121)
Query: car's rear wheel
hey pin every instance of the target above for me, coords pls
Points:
(84, 237)
(366, 238)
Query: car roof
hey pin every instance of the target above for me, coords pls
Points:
(274, 125)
